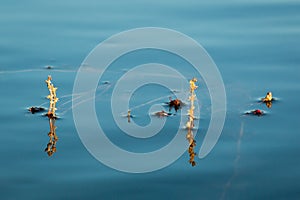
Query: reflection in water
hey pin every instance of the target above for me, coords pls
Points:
(51, 146)
(190, 123)
(268, 104)
(192, 144)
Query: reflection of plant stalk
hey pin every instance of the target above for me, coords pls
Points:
(52, 97)
(190, 123)
(51, 146)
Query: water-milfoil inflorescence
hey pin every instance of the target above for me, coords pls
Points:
(268, 99)
(190, 122)
(52, 97)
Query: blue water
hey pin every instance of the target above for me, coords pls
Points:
(256, 48)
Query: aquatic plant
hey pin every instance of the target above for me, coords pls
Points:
(268, 99)
(190, 122)
(128, 116)
(52, 97)
(51, 146)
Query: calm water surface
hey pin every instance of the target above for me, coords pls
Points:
(256, 47)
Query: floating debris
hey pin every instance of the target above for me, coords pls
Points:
(49, 67)
(162, 114)
(105, 82)
(256, 112)
(34, 110)
(175, 103)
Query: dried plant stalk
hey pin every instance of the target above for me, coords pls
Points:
(52, 97)
(190, 122)
(51, 146)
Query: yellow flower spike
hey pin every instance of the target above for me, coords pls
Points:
(52, 98)
(48, 82)
(51, 148)
(190, 122)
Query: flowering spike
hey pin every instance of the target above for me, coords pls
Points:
(51, 146)
(52, 97)
(190, 122)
